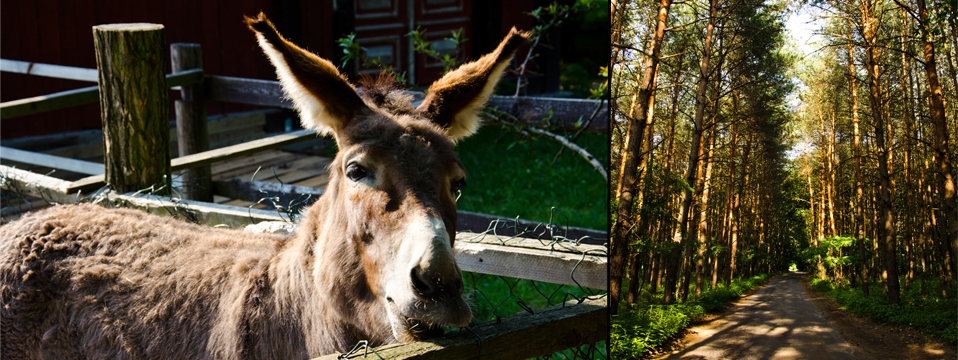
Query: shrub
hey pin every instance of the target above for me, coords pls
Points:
(641, 329)
(918, 309)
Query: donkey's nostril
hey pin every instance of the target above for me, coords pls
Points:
(428, 285)
(421, 284)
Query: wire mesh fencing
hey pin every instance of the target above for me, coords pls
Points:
(495, 297)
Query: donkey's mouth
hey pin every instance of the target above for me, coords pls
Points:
(419, 321)
(419, 329)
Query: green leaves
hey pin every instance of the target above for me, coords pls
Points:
(922, 306)
(645, 327)
(421, 46)
(352, 50)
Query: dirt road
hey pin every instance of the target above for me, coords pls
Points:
(777, 322)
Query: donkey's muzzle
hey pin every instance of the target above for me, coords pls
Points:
(435, 285)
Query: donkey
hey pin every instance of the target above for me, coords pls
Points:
(372, 259)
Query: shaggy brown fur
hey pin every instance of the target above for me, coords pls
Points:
(372, 259)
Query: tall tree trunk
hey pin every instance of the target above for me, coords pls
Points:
(908, 191)
(886, 219)
(695, 152)
(624, 224)
(736, 209)
(946, 183)
(703, 218)
(727, 208)
(859, 201)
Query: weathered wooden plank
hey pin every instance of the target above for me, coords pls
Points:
(566, 112)
(235, 121)
(559, 245)
(82, 96)
(44, 143)
(247, 91)
(522, 336)
(585, 264)
(284, 194)
(191, 125)
(476, 222)
(56, 162)
(210, 214)
(48, 70)
(43, 103)
(89, 143)
(530, 109)
(41, 186)
(184, 78)
(240, 150)
(212, 156)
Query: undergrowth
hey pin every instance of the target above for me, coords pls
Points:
(919, 308)
(509, 176)
(647, 326)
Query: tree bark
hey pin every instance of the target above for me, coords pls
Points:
(886, 216)
(946, 183)
(703, 218)
(695, 152)
(623, 225)
(133, 105)
(859, 201)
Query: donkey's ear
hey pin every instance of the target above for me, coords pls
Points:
(325, 100)
(453, 101)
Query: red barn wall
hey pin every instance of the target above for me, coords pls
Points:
(60, 32)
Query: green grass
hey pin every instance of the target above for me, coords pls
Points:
(499, 297)
(643, 328)
(920, 307)
(509, 178)
(495, 297)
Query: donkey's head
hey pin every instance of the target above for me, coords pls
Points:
(392, 191)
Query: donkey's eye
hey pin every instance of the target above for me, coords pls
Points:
(458, 185)
(355, 172)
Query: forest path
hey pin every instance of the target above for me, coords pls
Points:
(778, 321)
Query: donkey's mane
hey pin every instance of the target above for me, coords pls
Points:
(386, 93)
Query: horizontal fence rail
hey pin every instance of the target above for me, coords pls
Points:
(82, 96)
(56, 162)
(531, 110)
(48, 70)
(522, 336)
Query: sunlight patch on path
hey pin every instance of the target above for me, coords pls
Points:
(777, 322)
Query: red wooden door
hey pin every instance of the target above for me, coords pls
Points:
(382, 26)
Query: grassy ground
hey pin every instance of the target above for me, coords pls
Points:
(922, 306)
(510, 178)
(645, 327)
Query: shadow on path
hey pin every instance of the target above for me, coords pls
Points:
(777, 322)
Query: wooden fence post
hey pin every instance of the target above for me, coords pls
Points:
(191, 124)
(133, 104)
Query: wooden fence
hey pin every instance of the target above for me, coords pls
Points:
(569, 325)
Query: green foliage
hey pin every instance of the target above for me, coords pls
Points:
(828, 247)
(352, 50)
(421, 46)
(522, 180)
(647, 326)
(919, 307)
